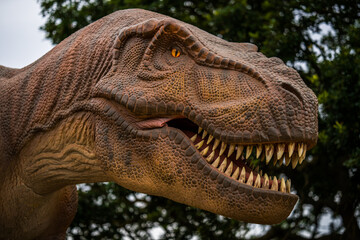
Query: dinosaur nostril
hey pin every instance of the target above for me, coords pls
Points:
(292, 90)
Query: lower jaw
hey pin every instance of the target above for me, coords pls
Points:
(230, 197)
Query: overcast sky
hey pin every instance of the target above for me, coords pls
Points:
(21, 41)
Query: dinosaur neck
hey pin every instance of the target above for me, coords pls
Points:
(40, 94)
(63, 156)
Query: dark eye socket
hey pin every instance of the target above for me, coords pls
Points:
(175, 52)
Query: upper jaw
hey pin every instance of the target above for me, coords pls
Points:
(263, 125)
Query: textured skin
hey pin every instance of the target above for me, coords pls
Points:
(94, 109)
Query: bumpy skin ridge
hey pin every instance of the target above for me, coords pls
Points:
(199, 52)
(98, 104)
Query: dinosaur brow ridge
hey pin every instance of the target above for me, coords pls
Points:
(155, 28)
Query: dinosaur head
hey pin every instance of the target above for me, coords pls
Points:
(186, 115)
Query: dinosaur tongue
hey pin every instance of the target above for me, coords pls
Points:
(155, 122)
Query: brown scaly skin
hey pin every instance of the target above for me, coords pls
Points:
(119, 101)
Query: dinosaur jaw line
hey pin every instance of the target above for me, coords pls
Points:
(239, 162)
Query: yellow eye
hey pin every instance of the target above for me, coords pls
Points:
(175, 52)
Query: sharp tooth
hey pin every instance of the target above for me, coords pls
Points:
(257, 183)
(229, 169)
(223, 166)
(262, 157)
(199, 145)
(303, 155)
(301, 159)
(249, 149)
(287, 160)
(216, 162)
(258, 150)
(204, 152)
(236, 173)
(239, 151)
(210, 157)
(216, 144)
(193, 138)
(269, 151)
(294, 161)
(204, 134)
(261, 173)
(257, 169)
(291, 147)
(266, 182)
(282, 185)
(288, 185)
(200, 129)
(209, 139)
(300, 149)
(222, 148)
(275, 161)
(242, 175)
(250, 179)
(274, 185)
(231, 150)
(281, 161)
(280, 150)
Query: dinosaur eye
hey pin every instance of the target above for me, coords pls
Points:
(175, 52)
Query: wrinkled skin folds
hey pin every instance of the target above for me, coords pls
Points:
(157, 106)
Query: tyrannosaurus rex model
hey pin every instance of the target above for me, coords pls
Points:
(157, 106)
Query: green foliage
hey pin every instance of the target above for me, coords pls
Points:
(321, 39)
(107, 210)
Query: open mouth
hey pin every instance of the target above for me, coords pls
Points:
(242, 161)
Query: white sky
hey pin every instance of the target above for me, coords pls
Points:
(21, 41)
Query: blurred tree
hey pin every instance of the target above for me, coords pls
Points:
(321, 39)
